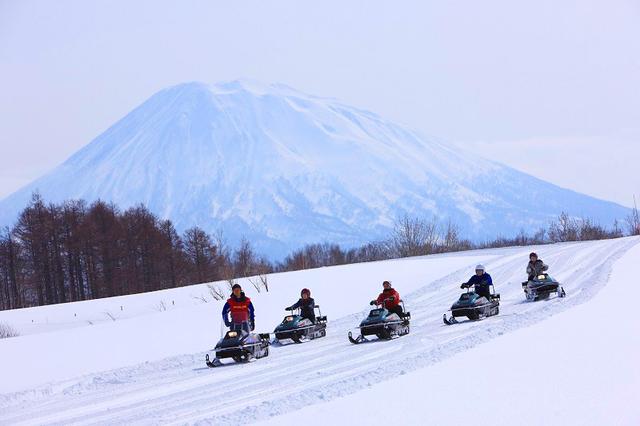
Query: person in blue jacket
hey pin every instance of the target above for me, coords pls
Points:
(482, 282)
(240, 309)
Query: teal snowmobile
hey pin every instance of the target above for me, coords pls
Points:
(541, 287)
(241, 346)
(295, 328)
(473, 306)
(383, 324)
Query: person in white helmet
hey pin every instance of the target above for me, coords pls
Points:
(482, 282)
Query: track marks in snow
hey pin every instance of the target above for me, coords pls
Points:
(178, 390)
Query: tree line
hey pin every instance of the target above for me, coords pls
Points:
(74, 251)
(413, 236)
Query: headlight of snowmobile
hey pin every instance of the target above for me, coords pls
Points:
(541, 277)
(232, 334)
(289, 319)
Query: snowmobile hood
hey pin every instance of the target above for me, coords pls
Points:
(376, 316)
(469, 299)
(290, 322)
(544, 279)
(237, 338)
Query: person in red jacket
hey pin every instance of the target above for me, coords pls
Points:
(241, 310)
(389, 299)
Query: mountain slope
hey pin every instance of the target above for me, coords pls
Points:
(284, 168)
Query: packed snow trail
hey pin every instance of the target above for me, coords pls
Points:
(182, 390)
(574, 368)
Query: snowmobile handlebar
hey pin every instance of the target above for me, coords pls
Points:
(390, 299)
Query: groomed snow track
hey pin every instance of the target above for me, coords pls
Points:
(182, 390)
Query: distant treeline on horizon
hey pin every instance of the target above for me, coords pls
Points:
(74, 251)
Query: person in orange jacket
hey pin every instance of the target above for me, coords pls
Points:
(389, 299)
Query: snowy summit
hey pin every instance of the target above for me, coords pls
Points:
(283, 169)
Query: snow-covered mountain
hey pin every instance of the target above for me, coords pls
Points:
(284, 168)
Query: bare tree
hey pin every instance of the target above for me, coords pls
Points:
(414, 236)
(7, 331)
(565, 228)
(201, 255)
(260, 282)
(633, 220)
(255, 282)
(215, 292)
(264, 280)
(451, 237)
(244, 259)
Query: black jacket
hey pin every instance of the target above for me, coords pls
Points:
(536, 268)
(306, 307)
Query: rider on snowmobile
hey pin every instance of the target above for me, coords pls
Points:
(306, 305)
(482, 282)
(389, 298)
(535, 266)
(241, 310)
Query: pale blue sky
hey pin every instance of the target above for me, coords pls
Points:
(550, 87)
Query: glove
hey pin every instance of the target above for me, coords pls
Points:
(253, 325)
(373, 303)
(464, 285)
(227, 322)
(288, 308)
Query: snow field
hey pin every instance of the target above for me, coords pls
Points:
(156, 372)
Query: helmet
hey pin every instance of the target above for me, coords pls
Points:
(480, 267)
(386, 283)
(236, 285)
(533, 253)
(305, 290)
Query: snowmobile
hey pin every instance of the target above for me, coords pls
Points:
(298, 329)
(473, 306)
(541, 286)
(240, 345)
(383, 324)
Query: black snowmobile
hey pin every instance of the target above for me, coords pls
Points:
(241, 346)
(295, 328)
(541, 287)
(383, 324)
(473, 306)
